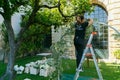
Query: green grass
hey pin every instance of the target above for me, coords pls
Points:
(2, 68)
(109, 71)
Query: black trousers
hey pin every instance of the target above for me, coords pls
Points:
(79, 48)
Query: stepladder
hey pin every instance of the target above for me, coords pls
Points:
(90, 48)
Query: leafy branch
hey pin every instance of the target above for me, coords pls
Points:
(58, 49)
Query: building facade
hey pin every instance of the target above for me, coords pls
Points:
(112, 8)
(107, 11)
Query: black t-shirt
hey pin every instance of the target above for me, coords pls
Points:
(80, 30)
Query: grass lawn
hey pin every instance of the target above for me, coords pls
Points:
(109, 71)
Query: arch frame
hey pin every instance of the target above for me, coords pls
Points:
(101, 4)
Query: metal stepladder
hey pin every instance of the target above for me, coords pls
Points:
(89, 46)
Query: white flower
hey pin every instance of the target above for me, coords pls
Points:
(27, 79)
(44, 66)
(21, 68)
(27, 65)
(16, 68)
(32, 63)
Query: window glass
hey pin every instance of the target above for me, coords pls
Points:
(98, 14)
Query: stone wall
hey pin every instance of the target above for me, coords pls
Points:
(113, 9)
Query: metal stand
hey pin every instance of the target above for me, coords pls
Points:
(89, 46)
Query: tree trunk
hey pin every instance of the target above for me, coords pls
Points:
(11, 56)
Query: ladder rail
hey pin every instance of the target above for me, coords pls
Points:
(96, 65)
(77, 72)
(83, 58)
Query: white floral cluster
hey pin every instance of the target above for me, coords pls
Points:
(19, 69)
(43, 67)
(27, 79)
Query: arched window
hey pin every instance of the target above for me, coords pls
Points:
(100, 15)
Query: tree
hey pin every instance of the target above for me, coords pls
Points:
(64, 8)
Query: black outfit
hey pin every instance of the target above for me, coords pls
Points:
(79, 40)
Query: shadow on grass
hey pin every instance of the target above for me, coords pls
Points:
(109, 71)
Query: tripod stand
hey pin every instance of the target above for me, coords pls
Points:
(89, 46)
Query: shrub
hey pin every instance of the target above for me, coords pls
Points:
(117, 53)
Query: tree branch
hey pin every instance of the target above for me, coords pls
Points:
(49, 7)
(63, 15)
(29, 22)
(33, 14)
(56, 6)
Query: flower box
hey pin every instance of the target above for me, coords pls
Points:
(44, 72)
(27, 68)
(34, 71)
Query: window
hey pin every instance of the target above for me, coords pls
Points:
(100, 15)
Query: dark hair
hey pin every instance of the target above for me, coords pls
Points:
(80, 16)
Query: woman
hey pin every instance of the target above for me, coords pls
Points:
(80, 29)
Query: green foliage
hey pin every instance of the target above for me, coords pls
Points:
(58, 49)
(33, 38)
(5, 38)
(82, 6)
(53, 17)
(41, 22)
(116, 36)
(76, 6)
(9, 7)
(117, 53)
(1, 3)
(49, 17)
(88, 32)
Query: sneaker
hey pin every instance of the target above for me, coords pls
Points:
(80, 70)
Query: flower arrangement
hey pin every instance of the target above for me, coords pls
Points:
(44, 67)
(19, 70)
